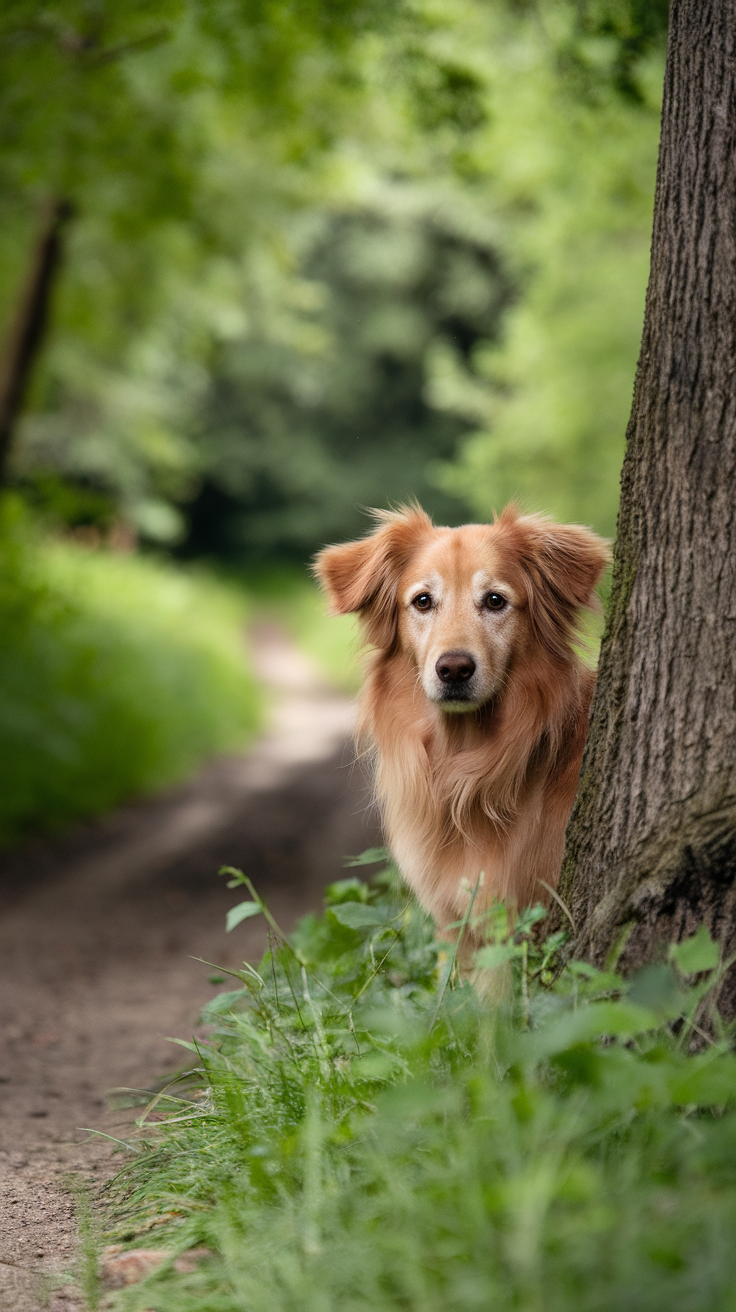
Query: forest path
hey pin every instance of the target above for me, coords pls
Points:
(98, 935)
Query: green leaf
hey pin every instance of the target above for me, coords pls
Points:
(696, 953)
(370, 857)
(707, 1081)
(184, 1043)
(497, 954)
(377, 1065)
(346, 890)
(656, 987)
(356, 915)
(243, 911)
(590, 1023)
(583, 968)
(420, 1099)
(238, 876)
(226, 1002)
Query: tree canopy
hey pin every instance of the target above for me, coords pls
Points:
(328, 255)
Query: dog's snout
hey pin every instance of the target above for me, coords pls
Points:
(455, 667)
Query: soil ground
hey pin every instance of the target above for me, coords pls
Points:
(97, 940)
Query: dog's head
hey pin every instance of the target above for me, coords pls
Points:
(466, 603)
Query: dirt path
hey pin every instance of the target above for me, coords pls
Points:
(98, 933)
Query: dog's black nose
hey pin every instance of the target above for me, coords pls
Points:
(455, 667)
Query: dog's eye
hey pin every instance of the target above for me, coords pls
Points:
(423, 601)
(494, 601)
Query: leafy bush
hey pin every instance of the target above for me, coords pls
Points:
(370, 1134)
(117, 674)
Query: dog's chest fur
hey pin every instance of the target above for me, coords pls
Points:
(474, 803)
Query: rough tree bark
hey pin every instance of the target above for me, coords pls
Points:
(29, 324)
(652, 840)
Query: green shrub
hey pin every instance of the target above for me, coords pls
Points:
(117, 675)
(369, 1135)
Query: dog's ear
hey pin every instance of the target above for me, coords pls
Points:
(562, 564)
(363, 576)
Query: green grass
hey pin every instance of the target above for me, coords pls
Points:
(362, 1134)
(118, 674)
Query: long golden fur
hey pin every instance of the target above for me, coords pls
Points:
(475, 702)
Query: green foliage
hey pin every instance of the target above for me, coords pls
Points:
(322, 412)
(351, 253)
(573, 188)
(178, 130)
(370, 1134)
(117, 674)
(623, 31)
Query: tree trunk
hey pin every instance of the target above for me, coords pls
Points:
(29, 324)
(652, 839)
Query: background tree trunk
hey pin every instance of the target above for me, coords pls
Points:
(29, 324)
(652, 839)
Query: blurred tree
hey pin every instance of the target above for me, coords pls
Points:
(165, 291)
(619, 34)
(572, 159)
(211, 374)
(125, 112)
(30, 322)
(296, 436)
(652, 842)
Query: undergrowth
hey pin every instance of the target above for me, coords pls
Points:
(362, 1132)
(117, 675)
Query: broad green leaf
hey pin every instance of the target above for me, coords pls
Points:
(346, 890)
(709, 1081)
(696, 953)
(243, 911)
(356, 915)
(656, 987)
(622, 1019)
(496, 954)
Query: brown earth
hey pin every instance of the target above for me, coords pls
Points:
(97, 940)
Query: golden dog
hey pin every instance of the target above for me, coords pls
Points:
(475, 702)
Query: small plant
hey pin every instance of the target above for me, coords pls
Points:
(362, 1132)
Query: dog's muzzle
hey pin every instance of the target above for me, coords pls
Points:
(455, 670)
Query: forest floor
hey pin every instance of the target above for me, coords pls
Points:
(98, 938)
